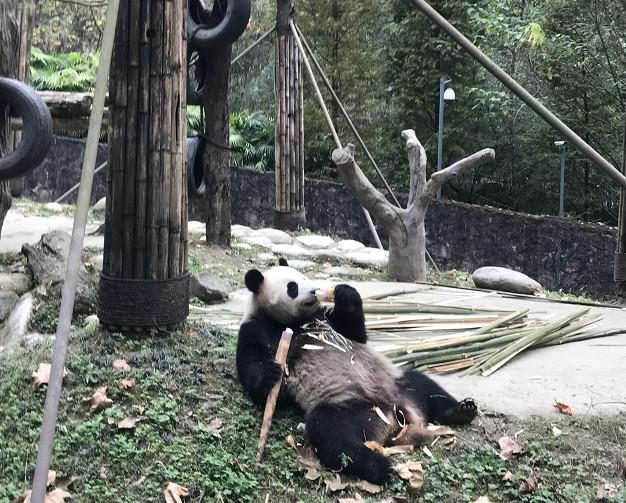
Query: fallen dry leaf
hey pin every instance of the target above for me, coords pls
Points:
(128, 423)
(99, 400)
(372, 445)
(357, 499)
(606, 491)
(556, 432)
(312, 474)
(334, 483)
(412, 472)
(120, 366)
(426, 451)
(441, 431)
(508, 447)
(530, 484)
(42, 376)
(128, 383)
(370, 488)
(52, 476)
(563, 408)
(174, 493)
(56, 496)
(483, 499)
(507, 476)
(307, 459)
(215, 426)
(389, 451)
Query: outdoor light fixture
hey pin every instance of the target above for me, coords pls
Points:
(445, 94)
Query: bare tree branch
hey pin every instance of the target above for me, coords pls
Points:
(368, 196)
(417, 164)
(438, 178)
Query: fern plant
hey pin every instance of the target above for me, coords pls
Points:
(70, 71)
(252, 140)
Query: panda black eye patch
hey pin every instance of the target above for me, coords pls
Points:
(292, 289)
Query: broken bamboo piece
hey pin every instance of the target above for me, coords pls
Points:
(272, 396)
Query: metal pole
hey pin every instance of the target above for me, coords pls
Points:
(253, 45)
(442, 104)
(582, 146)
(562, 187)
(98, 169)
(55, 384)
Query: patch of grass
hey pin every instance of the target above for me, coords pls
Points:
(45, 315)
(571, 297)
(10, 258)
(452, 277)
(187, 379)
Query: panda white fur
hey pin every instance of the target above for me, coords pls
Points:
(349, 393)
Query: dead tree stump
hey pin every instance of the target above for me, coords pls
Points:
(405, 226)
(144, 282)
(289, 136)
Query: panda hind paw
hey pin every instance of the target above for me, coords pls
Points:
(463, 412)
(377, 470)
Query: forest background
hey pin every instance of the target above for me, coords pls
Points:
(385, 60)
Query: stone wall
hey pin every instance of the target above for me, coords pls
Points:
(560, 253)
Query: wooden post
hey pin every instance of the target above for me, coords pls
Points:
(144, 282)
(620, 256)
(289, 144)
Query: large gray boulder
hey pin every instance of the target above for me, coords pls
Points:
(7, 301)
(208, 288)
(47, 261)
(18, 282)
(505, 280)
(16, 326)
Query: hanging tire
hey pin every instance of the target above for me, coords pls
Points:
(195, 168)
(36, 133)
(221, 26)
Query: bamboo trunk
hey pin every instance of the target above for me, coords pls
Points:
(289, 149)
(146, 214)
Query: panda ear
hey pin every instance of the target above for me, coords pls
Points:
(254, 278)
(282, 261)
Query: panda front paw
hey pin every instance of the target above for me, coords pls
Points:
(463, 412)
(347, 299)
(272, 374)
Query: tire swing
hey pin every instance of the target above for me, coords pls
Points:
(220, 26)
(37, 132)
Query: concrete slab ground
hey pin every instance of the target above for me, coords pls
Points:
(590, 376)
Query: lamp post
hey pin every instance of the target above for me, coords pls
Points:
(445, 94)
(561, 146)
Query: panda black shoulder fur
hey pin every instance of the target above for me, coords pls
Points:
(343, 386)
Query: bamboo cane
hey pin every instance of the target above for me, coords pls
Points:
(270, 404)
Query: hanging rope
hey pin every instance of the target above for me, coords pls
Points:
(55, 384)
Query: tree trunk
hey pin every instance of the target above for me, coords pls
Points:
(407, 250)
(26, 11)
(145, 244)
(216, 158)
(620, 256)
(405, 226)
(9, 52)
(289, 136)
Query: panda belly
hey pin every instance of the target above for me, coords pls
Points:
(344, 372)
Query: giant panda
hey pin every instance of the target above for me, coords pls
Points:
(349, 393)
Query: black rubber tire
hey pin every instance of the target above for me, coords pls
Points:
(37, 131)
(221, 26)
(195, 168)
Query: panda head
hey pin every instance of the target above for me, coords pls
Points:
(282, 293)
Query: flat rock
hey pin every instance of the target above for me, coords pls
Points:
(274, 235)
(369, 257)
(242, 246)
(18, 282)
(301, 265)
(329, 254)
(505, 280)
(209, 289)
(345, 271)
(53, 207)
(7, 302)
(17, 324)
(291, 250)
(348, 245)
(240, 231)
(100, 206)
(92, 319)
(315, 241)
(195, 227)
(266, 257)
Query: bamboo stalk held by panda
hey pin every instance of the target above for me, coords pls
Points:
(272, 396)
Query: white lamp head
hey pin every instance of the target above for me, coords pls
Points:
(559, 144)
(449, 94)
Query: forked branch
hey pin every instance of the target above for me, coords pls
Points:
(417, 165)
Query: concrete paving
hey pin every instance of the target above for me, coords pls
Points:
(590, 376)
